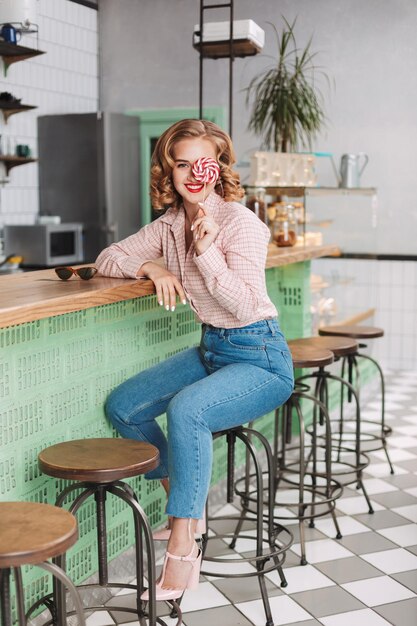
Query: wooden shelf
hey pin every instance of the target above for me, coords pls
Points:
(10, 108)
(12, 53)
(296, 192)
(12, 161)
(221, 49)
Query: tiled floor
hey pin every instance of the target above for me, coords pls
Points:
(367, 578)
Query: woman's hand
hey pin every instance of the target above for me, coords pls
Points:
(205, 230)
(167, 285)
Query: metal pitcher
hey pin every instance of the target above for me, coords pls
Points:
(351, 169)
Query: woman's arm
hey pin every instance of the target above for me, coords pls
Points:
(135, 257)
(126, 258)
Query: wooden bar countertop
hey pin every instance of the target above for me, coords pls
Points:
(29, 296)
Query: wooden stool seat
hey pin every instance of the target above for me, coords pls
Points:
(340, 346)
(33, 532)
(309, 355)
(356, 332)
(98, 460)
(30, 534)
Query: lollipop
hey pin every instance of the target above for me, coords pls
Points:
(206, 170)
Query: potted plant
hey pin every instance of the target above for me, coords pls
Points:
(287, 110)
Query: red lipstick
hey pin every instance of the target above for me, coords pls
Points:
(194, 188)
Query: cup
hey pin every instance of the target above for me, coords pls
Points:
(22, 150)
(9, 33)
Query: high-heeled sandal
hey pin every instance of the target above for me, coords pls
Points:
(165, 533)
(192, 582)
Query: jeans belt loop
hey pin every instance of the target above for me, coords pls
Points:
(222, 332)
(271, 326)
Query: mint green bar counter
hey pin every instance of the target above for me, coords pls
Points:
(65, 345)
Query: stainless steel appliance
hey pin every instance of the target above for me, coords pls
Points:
(89, 173)
(45, 245)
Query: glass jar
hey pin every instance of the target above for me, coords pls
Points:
(256, 202)
(285, 226)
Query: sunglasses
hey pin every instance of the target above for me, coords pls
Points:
(86, 273)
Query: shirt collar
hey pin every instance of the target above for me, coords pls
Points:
(175, 217)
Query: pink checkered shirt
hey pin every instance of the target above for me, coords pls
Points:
(225, 285)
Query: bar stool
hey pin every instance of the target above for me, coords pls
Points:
(30, 534)
(98, 467)
(302, 468)
(351, 362)
(272, 540)
(348, 460)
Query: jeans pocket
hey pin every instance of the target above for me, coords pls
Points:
(246, 341)
(280, 360)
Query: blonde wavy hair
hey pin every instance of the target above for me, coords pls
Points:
(163, 193)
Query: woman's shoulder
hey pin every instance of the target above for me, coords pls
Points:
(168, 215)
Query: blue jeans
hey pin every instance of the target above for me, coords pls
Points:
(235, 376)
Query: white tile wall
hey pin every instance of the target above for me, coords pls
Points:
(390, 287)
(64, 80)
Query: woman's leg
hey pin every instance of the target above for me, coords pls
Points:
(133, 406)
(232, 396)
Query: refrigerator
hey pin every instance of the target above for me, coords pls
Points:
(89, 173)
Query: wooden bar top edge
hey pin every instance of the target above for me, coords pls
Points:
(30, 296)
(277, 257)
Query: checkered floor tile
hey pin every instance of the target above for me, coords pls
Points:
(367, 578)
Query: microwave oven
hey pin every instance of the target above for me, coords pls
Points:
(45, 245)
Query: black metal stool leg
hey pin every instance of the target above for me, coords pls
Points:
(6, 617)
(231, 441)
(384, 429)
(59, 600)
(271, 468)
(320, 392)
(270, 551)
(141, 526)
(259, 526)
(20, 599)
(301, 504)
(61, 575)
(300, 464)
(328, 462)
(352, 360)
(361, 460)
(270, 491)
(100, 498)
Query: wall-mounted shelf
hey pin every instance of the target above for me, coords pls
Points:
(12, 161)
(314, 191)
(10, 108)
(226, 46)
(12, 53)
(221, 49)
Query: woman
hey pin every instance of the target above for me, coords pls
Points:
(214, 251)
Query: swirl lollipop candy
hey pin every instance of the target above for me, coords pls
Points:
(206, 170)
